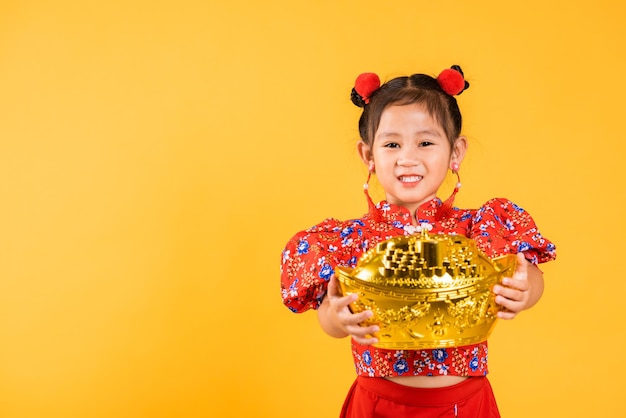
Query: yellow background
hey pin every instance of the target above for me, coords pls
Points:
(155, 157)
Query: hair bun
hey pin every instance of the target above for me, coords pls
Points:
(451, 80)
(364, 86)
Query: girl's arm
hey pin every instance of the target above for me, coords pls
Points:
(338, 321)
(520, 292)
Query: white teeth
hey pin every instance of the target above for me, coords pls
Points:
(409, 179)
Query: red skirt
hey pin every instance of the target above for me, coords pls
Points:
(375, 397)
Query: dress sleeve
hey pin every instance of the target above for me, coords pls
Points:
(501, 227)
(309, 260)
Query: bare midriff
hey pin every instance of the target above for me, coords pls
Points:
(427, 381)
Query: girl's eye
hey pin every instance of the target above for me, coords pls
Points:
(425, 143)
(392, 145)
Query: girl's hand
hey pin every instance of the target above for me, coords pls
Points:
(521, 291)
(338, 321)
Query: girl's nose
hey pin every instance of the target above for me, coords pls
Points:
(407, 160)
(408, 156)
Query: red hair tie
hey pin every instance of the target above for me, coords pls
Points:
(366, 84)
(451, 80)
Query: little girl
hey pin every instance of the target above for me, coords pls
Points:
(410, 132)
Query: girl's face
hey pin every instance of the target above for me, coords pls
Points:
(410, 155)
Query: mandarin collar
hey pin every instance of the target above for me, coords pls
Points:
(392, 213)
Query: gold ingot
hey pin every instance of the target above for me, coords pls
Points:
(427, 291)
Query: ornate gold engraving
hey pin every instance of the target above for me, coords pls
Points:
(427, 291)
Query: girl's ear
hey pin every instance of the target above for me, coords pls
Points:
(459, 149)
(365, 152)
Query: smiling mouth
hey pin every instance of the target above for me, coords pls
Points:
(409, 179)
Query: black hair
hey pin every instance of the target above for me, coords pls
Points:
(417, 88)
